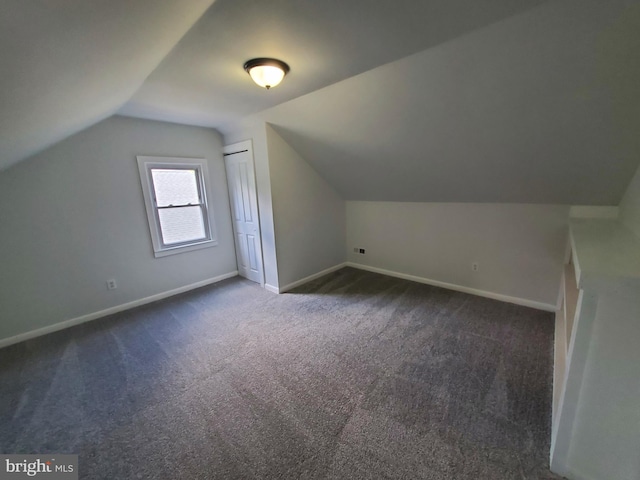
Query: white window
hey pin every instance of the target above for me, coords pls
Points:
(175, 197)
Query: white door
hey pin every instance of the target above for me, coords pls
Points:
(241, 179)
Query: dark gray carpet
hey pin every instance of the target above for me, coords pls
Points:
(352, 376)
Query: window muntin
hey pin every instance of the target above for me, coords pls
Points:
(175, 198)
(179, 205)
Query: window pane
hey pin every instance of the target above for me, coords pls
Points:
(175, 187)
(181, 225)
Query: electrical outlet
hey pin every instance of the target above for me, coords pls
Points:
(475, 267)
(362, 251)
(111, 284)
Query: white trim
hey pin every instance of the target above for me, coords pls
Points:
(228, 150)
(304, 280)
(559, 368)
(145, 164)
(458, 288)
(271, 288)
(590, 211)
(576, 361)
(560, 296)
(5, 342)
(239, 147)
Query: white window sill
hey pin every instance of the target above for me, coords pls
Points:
(185, 248)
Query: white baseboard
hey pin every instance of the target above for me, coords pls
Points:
(459, 288)
(5, 342)
(271, 288)
(304, 280)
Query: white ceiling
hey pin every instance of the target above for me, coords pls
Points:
(66, 64)
(543, 107)
(423, 100)
(202, 82)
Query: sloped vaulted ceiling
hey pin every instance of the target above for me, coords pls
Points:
(494, 101)
(66, 64)
(543, 107)
(201, 81)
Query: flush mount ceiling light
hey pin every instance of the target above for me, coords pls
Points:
(266, 72)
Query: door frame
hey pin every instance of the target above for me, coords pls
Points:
(227, 150)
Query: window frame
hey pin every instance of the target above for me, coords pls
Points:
(148, 163)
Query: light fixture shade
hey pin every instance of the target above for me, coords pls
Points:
(266, 72)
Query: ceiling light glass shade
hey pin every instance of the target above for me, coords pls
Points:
(266, 76)
(266, 72)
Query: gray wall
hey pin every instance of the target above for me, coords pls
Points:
(519, 248)
(309, 215)
(302, 218)
(73, 216)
